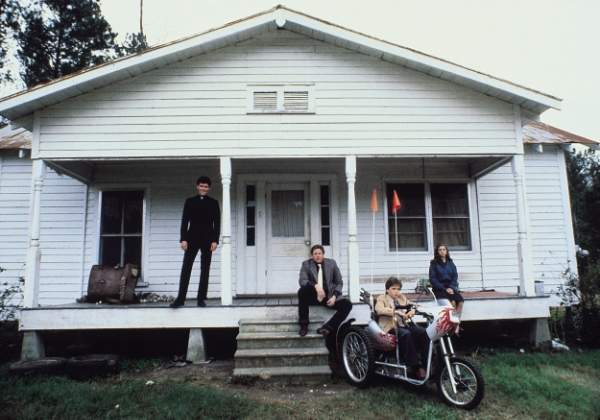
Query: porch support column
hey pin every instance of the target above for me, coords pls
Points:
(353, 267)
(226, 290)
(526, 279)
(32, 268)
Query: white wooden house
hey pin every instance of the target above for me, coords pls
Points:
(297, 121)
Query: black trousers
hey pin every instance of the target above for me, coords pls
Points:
(186, 271)
(414, 340)
(307, 295)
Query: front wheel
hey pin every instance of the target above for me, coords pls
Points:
(358, 356)
(469, 384)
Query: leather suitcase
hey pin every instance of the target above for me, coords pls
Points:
(112, 284)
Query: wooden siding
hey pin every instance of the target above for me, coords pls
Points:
(61, 239)
(197, 107)
(549, 230)
(15, 187)
(498, 229)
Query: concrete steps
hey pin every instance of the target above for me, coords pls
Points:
(272, 350)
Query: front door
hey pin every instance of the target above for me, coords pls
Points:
(288, 234)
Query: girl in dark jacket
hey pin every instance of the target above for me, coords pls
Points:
(444, 278)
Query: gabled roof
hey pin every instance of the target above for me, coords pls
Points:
(24, 103)
(15, 139)
(539, 133)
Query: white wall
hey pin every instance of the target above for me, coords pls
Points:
(197, 107)
(15, 187)
(550, 217)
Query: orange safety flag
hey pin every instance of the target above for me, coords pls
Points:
(396, 203)
(374, 202)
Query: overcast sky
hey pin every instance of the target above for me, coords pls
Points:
(548, 45)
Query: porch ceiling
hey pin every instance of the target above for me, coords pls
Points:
(471, 166)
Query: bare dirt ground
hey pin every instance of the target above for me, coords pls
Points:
(219, 374)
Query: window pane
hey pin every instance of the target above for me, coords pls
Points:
(134, 210)
(250, 214)
(410, 218)
(449, 200)
(324, 195)
(110, 251)
(133, 250)
(325, 235)
(450, 206)
(411, 196)
(452, 232)
(250, 211)
(288, 213)
(112, 208)
(250, 194)
(325, 216)
(411, 233)
(250, 236)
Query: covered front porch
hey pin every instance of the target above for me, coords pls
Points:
(266, 264)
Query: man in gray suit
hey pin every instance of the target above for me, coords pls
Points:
(321, 284)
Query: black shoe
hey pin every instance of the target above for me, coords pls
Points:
(201, 304)
(303, 330)
(175, 304)
(323, 331)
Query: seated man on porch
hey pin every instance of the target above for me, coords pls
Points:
(321, 284)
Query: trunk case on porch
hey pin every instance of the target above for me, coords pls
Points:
(112, 283)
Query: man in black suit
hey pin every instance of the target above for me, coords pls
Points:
(200, 231)
(321, 284)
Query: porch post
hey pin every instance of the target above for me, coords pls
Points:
(526, 279)
(32, 268)
(226, 291)
(353, 267)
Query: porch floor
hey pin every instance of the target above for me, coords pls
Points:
(80, 316)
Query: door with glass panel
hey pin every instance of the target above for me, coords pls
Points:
(288, 235)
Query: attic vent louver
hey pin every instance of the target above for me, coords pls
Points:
(265, 101)
(295, 101)
(281, 99)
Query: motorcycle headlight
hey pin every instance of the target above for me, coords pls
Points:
(454, 317)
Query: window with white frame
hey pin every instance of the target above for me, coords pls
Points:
(429, 212)
(121, 227)
(281, 99)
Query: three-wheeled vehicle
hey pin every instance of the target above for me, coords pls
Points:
(367, 351)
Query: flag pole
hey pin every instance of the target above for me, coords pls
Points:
(396, 205)
(374, 206)
(397, 253)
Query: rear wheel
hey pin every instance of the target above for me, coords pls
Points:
(469, 384)
(358, 356)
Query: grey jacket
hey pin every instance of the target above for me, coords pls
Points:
(331, 272)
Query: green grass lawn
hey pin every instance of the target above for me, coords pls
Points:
(518, 386)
